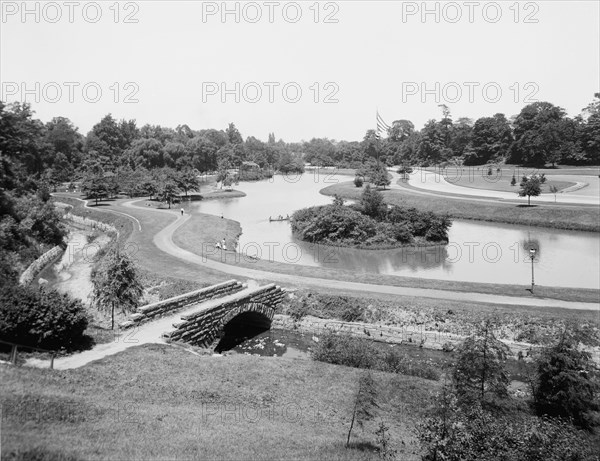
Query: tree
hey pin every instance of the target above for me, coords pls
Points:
(530, 187)
(41, 318)
(378, 175)
(491, 139)
(233, 134)
(540, 132)
(364, 402)
(565, 386)
(479, 369)
(188, 180)
(371, 202)
(116, 283)
(95, 184)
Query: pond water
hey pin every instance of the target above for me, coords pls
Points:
(477, 252)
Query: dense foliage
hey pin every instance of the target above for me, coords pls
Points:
(116, 284)
(502, 428)
(565, 386)
(360, 353)
(371, 223)
(41, 318)
(470, 433)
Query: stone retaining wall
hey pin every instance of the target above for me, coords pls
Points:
(204, 326)
(168, 306)
(91, 223)
(412, 335)
(38, 265)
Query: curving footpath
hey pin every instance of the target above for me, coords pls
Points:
(163, 240)
(435, 183)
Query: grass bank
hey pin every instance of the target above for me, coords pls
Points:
(161, 402)
(557, 216)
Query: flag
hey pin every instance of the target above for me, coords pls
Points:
(381, 126)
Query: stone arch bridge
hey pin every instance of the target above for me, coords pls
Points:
(204, 316)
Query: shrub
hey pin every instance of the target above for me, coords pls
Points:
(41, 318)
(359, 353)
(472, 434)
(565, 386)
(358, 181)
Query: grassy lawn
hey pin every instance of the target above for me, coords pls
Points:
(499, 181)
(569, 217)
(161, 402)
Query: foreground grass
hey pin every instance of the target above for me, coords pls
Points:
(569, 217)
(160, 402)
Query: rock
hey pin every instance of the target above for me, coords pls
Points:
(448, 347)
(42, 281)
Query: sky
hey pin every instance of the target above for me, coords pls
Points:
(298, 69)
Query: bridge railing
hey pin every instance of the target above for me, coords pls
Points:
(171, 305)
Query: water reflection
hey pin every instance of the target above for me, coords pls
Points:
(477, 252)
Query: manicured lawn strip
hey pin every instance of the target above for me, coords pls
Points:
(160, 402)
(584, 218)
(201, 231)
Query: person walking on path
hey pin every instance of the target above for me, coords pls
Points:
(182, 212)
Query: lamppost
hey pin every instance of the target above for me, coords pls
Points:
(532, 256)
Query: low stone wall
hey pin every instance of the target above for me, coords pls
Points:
(203, 327)
(168, 306)
(38, 265)
(412, 335)
(91, 223)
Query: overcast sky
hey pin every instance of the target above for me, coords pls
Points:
(300, 70)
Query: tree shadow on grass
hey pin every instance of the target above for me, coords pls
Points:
(363, 446)
(526, 206)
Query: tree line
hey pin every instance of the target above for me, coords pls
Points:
(56, 152)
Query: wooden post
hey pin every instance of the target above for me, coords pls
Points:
(52, 362)
(13, 354)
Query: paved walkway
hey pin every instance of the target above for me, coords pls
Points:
(150, 332)
(164, 242)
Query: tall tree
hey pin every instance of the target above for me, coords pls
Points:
(365, 402)
(539, 132)
(480, 366)
(565, 385)
(116, 284)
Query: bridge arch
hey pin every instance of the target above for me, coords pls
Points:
(242, 322)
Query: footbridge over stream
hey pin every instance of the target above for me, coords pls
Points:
(208, 313)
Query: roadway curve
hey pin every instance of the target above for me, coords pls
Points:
(163, 240)
(435, 183)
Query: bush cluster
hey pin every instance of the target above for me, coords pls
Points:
(41, 318)
(369, 224)
(359, 353)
